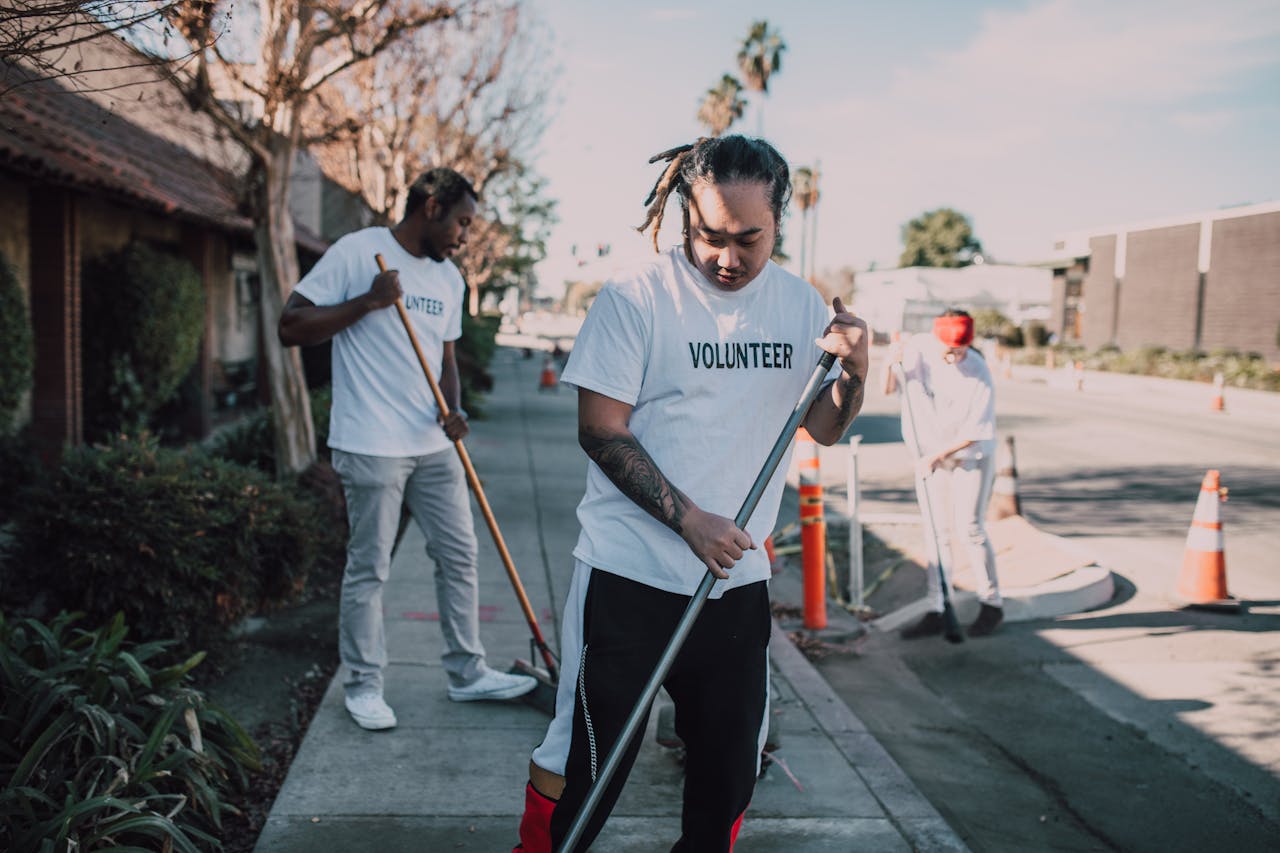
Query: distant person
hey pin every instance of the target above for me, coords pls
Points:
(687, 369)
(955, 423)
(390, 444)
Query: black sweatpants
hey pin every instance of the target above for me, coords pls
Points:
(719, 683)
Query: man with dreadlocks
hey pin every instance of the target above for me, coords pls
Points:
(686, 371)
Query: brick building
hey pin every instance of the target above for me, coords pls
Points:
(1203, 281)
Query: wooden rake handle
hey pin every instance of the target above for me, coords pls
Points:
(474, 481)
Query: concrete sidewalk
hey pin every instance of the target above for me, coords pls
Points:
(451, 776)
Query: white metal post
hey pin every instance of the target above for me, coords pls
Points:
(855, 526)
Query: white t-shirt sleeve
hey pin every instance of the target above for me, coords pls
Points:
(611, 351)
(453, 330)
(330, 281)
(913, 358)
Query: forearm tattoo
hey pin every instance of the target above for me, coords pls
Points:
(852, 389)
(629, 467)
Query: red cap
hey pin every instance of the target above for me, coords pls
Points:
(954, 331)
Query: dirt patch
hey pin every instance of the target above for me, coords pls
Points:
(271, 678)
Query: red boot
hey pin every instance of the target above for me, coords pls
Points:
(535, 825)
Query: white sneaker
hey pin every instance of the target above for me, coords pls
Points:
(493, 685)
(371, 712)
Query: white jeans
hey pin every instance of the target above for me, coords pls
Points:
(434, 488)
(954, 507)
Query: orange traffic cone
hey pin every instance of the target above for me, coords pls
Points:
(813, 533)
(1004, 491)
(1203, 582)
(548, 381)
(1218, 404)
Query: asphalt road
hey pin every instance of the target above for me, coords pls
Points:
(1139, 726)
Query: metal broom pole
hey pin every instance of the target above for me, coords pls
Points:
(951, 625)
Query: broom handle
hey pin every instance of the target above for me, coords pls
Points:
(913, 441)
(640, 712)
(474, 482)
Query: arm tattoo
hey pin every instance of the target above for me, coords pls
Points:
(852, 389)
(630, 467)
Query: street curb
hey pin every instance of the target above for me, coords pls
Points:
(1075, 592)
(908, 810)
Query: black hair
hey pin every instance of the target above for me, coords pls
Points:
(446, 186)
(717, 160)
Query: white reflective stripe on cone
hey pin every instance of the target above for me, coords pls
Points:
(1204, 539)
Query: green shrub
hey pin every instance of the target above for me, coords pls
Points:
(1036, 334)
(100, 749)
(252, 442)
(144, 316)
(474, 352)
(185, 545)
(21, 468)
(17, 353)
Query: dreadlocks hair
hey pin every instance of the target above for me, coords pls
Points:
(446, 186)
(717, 160)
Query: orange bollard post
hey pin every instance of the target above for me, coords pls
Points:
(813, 533)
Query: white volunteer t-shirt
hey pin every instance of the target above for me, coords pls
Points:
(958, 399)
(712, 376)
(382, 404)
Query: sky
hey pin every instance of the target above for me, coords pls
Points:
(1033, 118)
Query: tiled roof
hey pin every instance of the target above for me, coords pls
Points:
(60, 137)
(52, 133)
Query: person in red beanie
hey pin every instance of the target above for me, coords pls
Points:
(956, 426)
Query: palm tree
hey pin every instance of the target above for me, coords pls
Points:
(759, 58)
(722, 105)
(804, 189)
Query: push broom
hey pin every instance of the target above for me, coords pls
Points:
(641, 709)
(951, 625)
(543, 697)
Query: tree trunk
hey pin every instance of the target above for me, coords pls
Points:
(278, 267)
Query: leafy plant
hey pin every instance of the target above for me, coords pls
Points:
(474, 352)
(1241, 370)
(252, 442)
(21, 467)
(185, 545)
(103, 749)
(17, 352)
(147, 311)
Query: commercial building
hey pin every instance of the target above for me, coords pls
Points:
(1201, 281)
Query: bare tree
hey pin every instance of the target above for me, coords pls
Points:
(277, 66)
(40, 33)
(468, 94)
